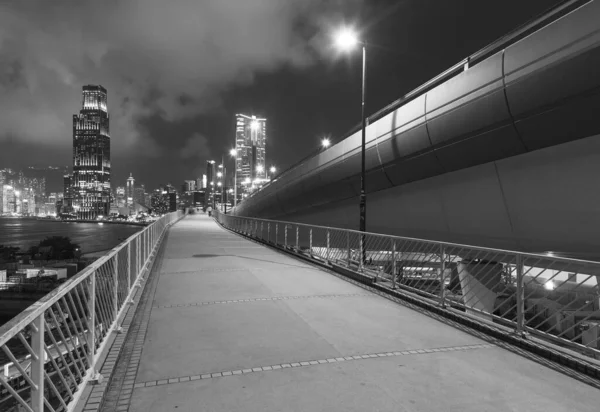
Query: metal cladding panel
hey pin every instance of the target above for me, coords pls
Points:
(477, 190)
(490, 145)
(552, 197)
(413, 168)
(402, 132)
(469, 102)
(552, 81)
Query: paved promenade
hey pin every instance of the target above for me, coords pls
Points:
(226, 324)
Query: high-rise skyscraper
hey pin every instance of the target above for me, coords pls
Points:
(91, 155)
(250, 146)
(130, 193)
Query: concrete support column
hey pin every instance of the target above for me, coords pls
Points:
(478, 281)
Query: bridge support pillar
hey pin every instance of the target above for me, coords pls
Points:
(479, 281)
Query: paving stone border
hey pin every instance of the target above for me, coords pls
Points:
(218, 302)
(181, 379)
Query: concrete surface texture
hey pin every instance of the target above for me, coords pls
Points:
(231, 325)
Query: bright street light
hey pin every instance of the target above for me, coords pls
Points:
(346, 39)
(219, 174)
(233, 152)
(325, 143)
(260, 168)
(219, 184)
(272, 169)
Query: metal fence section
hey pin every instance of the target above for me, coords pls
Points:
(555, 299)
(51, 349)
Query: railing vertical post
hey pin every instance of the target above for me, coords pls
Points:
(116, 286)
(327, 260)
(394, 269)
(92, 323)
(297, 238)
(348, 251)
(276, 233)
(37, 365)
(268, 232)
(361, 253)
(520, 295)
(128, 267)
(310, 248)
(443, 276)
(285, 235)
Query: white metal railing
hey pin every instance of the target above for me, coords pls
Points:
(50, 350)
(554, 299)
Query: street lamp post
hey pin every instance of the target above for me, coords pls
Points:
(233, 153)
(346, 39)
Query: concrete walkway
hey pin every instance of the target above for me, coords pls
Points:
(226, 324)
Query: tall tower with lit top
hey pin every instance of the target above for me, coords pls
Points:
(91, 155)
(250, 146)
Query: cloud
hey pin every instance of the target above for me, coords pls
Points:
(156, 58)
(196, 147)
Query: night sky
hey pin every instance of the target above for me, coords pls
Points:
(178, 71)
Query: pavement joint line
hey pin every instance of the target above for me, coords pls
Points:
(269, 368)
(218, 302)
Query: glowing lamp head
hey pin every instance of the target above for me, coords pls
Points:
(549, 285)
(325, 143)
(219, 174)
(260, 168)
(233, 152)
(272, 169)
(346, 39)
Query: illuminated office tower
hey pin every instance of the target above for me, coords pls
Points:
(91, 155)
(250, 146)
(130, 190)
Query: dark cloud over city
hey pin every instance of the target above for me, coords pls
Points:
(177, 71)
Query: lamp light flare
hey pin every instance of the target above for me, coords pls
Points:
(233, 152)
(346, 38)
(260, 168)
(273, 169)
(325, 143)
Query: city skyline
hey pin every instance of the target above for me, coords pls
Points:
(168, 107)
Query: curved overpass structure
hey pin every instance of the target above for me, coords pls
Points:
(502, 150)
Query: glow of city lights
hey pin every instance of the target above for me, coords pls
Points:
(219, 184)
(325, 143)
(272, 169)
(346, 38)
(233, 152)
(260, 168)
(219, 174)
(247, 180)
(255, 125)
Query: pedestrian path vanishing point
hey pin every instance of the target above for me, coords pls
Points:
(227, 324)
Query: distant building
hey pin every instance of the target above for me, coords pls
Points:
(130, 191)
(121, 199)
(250, 146)
(138, 195)
(91, 155)
(189, 185)
(67, 203)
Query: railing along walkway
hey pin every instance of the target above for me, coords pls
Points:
(228, 324)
